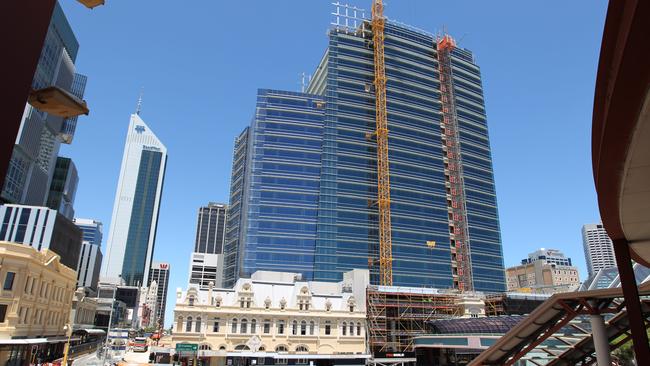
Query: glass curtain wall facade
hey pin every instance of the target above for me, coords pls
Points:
(93, 230)
(132, 234)
(281, 187)
(348, 227)
(38, 142)
(341, 167)
(236, 223)
(63, 187)
(140, 226)
(159, 272)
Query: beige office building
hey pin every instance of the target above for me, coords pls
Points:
(35, 302)
(545, 271)
(275, 318)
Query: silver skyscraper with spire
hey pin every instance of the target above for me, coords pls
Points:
(132, 233)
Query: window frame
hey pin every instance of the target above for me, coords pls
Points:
(11, 278)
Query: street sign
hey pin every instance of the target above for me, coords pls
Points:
(187, 347)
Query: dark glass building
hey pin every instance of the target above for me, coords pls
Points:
(211, 228)
(159, 272)
(63, 188)
(304, 173)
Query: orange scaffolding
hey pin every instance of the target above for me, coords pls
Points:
(396, 315)
(461, 266)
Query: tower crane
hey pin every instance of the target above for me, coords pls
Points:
(381, 136)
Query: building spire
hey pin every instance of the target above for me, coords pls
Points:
(139, 106)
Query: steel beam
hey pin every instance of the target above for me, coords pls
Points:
(632, 301)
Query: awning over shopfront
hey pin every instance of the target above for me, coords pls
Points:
(23, 341)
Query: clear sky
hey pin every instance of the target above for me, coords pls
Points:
(201, 62)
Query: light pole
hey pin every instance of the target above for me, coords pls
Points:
(68, 329)
(108, 329)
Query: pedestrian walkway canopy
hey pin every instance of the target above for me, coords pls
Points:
(554, 314)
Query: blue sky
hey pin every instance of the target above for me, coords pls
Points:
(201, 62)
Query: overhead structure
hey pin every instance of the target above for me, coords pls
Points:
(558, 311)
(381, 135)
(461, 266)
(619, 147)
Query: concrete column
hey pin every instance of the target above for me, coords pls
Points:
(601, 343)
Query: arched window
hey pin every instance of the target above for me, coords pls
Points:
(188, 325)
(261, 349)
(198, 325)
(302, 348)
(351, 328)
(191, 301)
(234, 326)
(281, 348)
(294, 329)
(253, 326)
(244, 326)
(303, 328)
(280, 326)
(358, 329)
(242, 347)
(205, 347)
(344, 328)
(222, 348)
(311, 327)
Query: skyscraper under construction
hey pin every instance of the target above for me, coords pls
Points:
(304, 194)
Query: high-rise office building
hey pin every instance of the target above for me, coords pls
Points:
(89, 264)
(92, 230)
(90, 258)
(159, 273)
(598, 248)
(41, 228)
(40, 135)
(206, 264)
(63, 187)
(274, 193)
(304, 180)
(132, 233)
(211, 228)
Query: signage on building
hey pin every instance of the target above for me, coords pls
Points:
(164, 265)
(395, 355)
(187, 347)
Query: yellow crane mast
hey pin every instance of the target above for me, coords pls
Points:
(381, 134)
